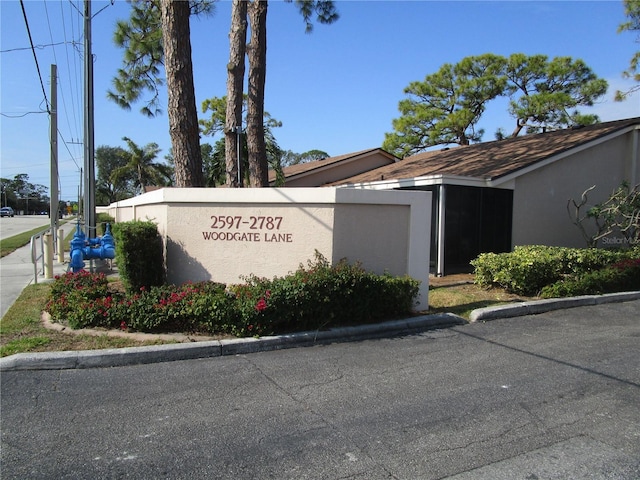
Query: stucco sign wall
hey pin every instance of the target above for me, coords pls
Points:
(225, 234)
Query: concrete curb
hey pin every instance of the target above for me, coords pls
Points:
(541, 306)
(116, 357)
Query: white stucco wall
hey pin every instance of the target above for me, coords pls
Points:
(224, 234)
(540, 197)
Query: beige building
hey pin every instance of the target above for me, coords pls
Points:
(493, 196)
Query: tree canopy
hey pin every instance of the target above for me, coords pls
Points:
(447, 106)
(109, 187)
(20, 194)
(632, 12)
(140, 166)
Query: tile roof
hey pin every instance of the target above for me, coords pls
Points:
(492, 160)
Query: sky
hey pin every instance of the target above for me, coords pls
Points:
(336, 89)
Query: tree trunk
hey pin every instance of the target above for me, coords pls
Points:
(181, 110)
(235, 83)
(257, 54)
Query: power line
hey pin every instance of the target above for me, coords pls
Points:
(35, 57)
(39, 46)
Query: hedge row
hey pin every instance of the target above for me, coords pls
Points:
(314, 297)
(528, 269)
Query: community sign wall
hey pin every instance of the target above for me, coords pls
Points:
(225, 234)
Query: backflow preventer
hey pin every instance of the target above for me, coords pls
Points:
(90, 249)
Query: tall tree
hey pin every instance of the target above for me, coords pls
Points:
(141, 165)
(632, 12)
(235, 81)
(182, 112)
(257, 56)
(257, 12)
(215, 123)
(447, 106)
(140, 38)
(549, 90)
(152, 24)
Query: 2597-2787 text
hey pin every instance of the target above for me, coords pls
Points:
(230, 222)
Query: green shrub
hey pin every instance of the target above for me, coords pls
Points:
(101, 222)
(189, 307)
(619, 277)
(322, 296)
(139, 254)
(314, 297)
(528, 269)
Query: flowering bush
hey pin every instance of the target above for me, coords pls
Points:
(317, 296)
(81, 298)
(321, 295)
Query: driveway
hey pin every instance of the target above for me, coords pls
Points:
(549, 396)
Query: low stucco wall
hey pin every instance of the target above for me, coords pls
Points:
(225, 234)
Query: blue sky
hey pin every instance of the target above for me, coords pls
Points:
(336, 89)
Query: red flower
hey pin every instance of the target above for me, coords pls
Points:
(123, 325)
(261, 305)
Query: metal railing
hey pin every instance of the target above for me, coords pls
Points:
(34, 252)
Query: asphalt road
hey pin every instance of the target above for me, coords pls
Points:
(551, 396)
(10, 226)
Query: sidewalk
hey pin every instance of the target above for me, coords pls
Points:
(16, 272)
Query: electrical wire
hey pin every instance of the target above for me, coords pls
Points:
(35, 57)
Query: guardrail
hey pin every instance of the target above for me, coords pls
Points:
(33, 244)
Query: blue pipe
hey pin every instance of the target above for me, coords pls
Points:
(83, 249)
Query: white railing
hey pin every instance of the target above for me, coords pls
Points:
(35, 257)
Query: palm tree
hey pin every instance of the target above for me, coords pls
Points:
(142, 167)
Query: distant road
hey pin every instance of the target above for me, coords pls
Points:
(10, 226)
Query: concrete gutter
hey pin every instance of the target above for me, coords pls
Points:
(540, 306)
(116, 357)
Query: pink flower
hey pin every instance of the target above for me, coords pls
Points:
(261, 305)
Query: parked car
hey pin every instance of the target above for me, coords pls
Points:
(6, 212)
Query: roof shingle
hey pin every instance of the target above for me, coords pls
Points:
(492, 160)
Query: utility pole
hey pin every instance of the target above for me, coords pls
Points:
(53, 135)
(89, 206)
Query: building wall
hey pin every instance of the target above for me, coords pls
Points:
(225, 234)
(540, 197)
(376, 235)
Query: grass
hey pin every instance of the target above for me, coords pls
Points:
(21, 328)
(463, 299)
(11, 244)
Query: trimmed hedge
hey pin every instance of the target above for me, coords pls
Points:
(619, 277)
(528, 269)
(139, 254)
